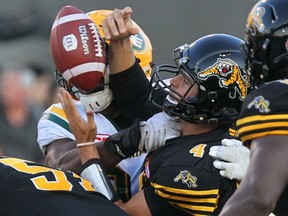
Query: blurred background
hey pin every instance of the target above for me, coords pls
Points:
(26, 67)
(25, 24)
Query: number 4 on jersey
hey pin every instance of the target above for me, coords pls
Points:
(198, 150)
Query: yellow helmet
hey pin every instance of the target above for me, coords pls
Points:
(141, 44)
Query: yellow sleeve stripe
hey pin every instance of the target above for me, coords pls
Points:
(254, 118)
(195, 208)
(180, 197)
(57, 120)
(261, 126)
(233, 132)
(59, 111)
(262, 134)
(189, 200)
(185, 191)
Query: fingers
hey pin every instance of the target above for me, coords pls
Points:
(225, 169)
(216, 152)
(231, 142)
(237, 142)
(84, 131)
(122, 18)
(68, 105)
(127, 11)
(119, 25)
(91, 125)
(219, 164)
(109, 25)
(227, 142)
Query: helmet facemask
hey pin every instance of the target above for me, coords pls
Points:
(174, 103)
(100, 98)
(62, 82)
(97, 100)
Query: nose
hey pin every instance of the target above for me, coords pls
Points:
(175, 80)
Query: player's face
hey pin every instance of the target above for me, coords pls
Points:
(183, 86)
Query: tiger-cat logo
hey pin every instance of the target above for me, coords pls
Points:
(260, 103)
(229, 75)
(186, 178)
(258, 18)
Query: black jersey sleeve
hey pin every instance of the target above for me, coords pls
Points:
(264, 112)
(130, 90)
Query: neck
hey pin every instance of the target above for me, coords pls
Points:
(189, 128)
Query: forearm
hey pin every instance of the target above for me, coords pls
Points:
(93, 170)
(245, 203)
(70, 161)
(121, 55)
(109, 159)
(73, 159)
(130, 90)
(87, 151)
(63, 154)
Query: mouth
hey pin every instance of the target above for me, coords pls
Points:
(171, 99)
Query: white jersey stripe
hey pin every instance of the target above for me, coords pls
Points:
(69, 18)
(79, 69)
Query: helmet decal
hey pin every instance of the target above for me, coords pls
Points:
(229, 75)
(138, 42)
(257, 17)
(260, 103)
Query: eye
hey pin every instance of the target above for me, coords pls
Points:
(187, 77)
(186, 82)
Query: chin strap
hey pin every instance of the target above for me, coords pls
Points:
(226, 116)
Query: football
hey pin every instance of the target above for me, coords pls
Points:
(77, 49)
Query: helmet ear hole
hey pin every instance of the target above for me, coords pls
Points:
(212, 95)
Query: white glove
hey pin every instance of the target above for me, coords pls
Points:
(232, 158)
(156, 130)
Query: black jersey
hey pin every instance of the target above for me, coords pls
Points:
(265, 112)
(29, 189)
(181, 177)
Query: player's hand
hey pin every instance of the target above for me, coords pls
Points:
(232, 158)
(156, 130)
(84, 131)
(119, 25)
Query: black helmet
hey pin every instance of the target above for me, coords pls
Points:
(216, 64)
(266, 36)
